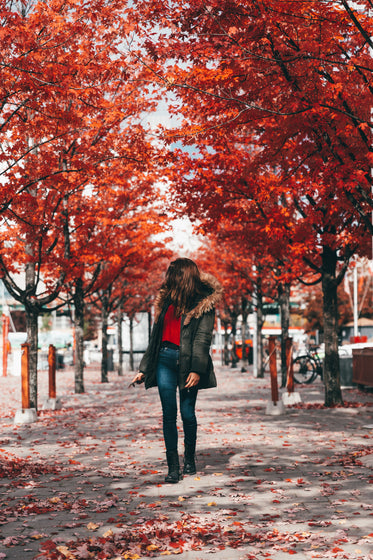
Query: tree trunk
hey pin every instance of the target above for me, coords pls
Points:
(79, 336)
(132, 364)
(120, 339)
(333, 394)
(234, 358)
(32, 314)
(284, 301)
(225, 357)
(104, 360)
(244, 333)
(149, 324)
(259, 327)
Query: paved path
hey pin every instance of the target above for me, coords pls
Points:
(87, 481)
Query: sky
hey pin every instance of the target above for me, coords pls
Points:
(185, 242)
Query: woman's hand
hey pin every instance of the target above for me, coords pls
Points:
(192, 380)
(139, 378)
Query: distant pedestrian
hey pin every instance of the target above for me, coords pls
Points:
(178, 355)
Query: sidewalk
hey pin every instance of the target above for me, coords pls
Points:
(87, 481)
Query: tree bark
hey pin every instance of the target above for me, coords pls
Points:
(259, 327)
(234, 358)
(79, 336)
(244, 332)
(284, 301)
(32, 314)
(149, 324)
(120, 340)
(104, 360)
(132, 363)
(333, 393)
(225, 356)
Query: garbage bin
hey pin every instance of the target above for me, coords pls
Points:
(345, 369)
(362, 359)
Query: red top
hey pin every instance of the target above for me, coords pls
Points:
(171, 326)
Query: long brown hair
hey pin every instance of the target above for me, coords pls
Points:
(183, 284)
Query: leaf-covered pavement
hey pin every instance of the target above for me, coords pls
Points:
(87, 481)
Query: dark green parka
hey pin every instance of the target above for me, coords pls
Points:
(195, 337)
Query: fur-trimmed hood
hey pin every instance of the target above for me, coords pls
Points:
(203, 306)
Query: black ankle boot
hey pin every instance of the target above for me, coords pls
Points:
(174, 473)
(189, 460)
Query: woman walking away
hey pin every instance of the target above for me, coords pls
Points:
(178, 355)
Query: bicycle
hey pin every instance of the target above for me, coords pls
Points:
(307, 367)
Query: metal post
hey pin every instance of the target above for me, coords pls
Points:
(356, 311)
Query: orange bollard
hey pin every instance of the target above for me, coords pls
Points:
(25, 358)
(52, 371)
(289, 365)
(25, 415)
(5, 344)
(273, 368)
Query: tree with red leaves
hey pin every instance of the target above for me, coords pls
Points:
(275, 87)
(75, 156)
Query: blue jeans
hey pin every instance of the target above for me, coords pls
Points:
(167, 380)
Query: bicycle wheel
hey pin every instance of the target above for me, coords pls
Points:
(304, 368)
